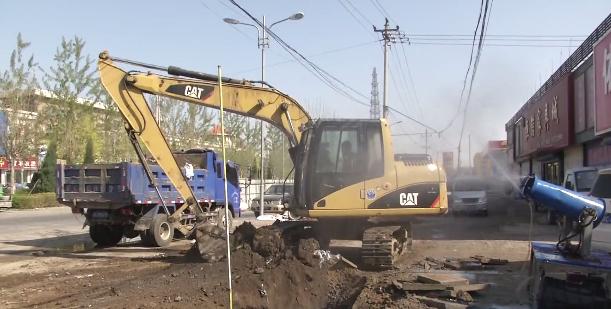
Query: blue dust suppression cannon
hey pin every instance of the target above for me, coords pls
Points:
(564, 201)
(580, 213)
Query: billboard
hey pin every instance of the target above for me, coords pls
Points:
(602, 84)
(547, 124)
(29, 164)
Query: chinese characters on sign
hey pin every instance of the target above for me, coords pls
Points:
(602, 84)
(540, 121)
(30, 164)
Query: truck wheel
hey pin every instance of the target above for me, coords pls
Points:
(106, 235)
(161, 231)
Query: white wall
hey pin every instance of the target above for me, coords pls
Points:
(252, 191)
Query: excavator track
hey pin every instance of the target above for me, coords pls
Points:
(382, 245)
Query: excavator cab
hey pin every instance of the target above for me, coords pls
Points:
(338, 155)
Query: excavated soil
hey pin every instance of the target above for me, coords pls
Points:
(268, 272)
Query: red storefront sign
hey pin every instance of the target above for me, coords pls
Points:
(602, 84)
(30, 164)
(546, 124)
(498, 144)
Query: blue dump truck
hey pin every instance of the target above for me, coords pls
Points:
(118, 200)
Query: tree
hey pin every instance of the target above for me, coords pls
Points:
(89, 151)
(278, 162)
(19, 129)
(113, 144)
(47, 170)
(72, 83)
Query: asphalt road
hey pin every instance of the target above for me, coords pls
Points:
(26, 230)
(23, 232)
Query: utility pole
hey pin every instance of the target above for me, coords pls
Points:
(390, 36)
(426, 140)
(469, 150)
(262, 43)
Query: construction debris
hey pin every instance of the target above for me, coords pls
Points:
(489, 261)
(445, 279)
(440, 304)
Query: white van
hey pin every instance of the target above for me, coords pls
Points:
(469, 196)
(601, 235)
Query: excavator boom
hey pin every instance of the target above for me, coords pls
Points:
(127, 89)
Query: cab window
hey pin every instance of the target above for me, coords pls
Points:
(602, 186)
(375, 155)
(338, 159)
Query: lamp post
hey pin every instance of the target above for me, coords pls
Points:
(262, 43)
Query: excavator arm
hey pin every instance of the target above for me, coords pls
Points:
(127, 90)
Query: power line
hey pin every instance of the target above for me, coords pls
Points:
(411, 81)
(364, 26)
(402, 80)
(220, 17)
(381, 10)
(412, 119)
(324, 76)
(491, 44)
(500, 35)
(469, 66)
(331, 51)
(453, 39)
(485, 22)
(359, 12)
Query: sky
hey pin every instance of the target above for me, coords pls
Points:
(192, 34)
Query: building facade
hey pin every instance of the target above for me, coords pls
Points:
(567, 123)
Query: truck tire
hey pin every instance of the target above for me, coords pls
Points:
(106, 235)
(161, 231)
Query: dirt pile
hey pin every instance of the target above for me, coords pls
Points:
(269, 269)
(386, 294)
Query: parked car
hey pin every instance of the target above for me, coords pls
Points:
(601, 188)
(469, 196)
(276, 199)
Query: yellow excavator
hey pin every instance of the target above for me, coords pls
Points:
(345, 170)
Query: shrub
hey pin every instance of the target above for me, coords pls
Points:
(38, 200)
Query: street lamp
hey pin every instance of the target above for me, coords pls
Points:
(262, 43)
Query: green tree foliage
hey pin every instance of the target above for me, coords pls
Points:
(278, 161)
(19, 130)
(111, 142)
(69, 115)
(89, 151)
(47, 170)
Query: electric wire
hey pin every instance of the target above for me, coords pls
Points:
(359, 12)
(354, 16)
(464, 85)
(493, 44)
(402, 80)
(328, 79)
(331, 51)
(484, 28)
(411, 81)
(501, 35)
